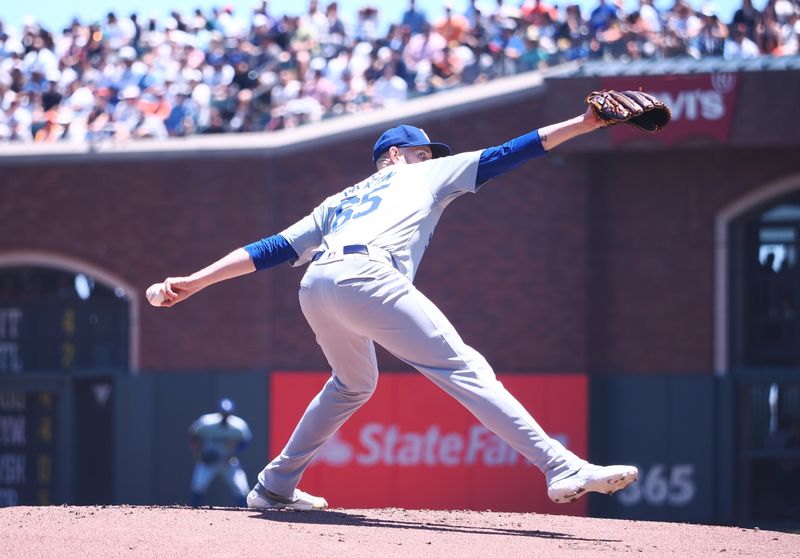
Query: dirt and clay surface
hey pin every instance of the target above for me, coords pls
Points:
(95, 531)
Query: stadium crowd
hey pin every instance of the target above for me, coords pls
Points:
(207, 73)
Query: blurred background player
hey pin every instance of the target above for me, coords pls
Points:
(217, 439)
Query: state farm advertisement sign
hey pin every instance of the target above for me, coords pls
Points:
(413, 446)
(702, 106)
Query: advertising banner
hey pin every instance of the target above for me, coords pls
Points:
(702, 106)
(413, 446)
(665, 425)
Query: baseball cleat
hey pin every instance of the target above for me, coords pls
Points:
(262, 499)
(592, 478)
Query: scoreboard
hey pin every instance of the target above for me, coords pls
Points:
(57, 362)
(27, 446)
(49, 336)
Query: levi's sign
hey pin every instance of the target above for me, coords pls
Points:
(703, 106)
(413, 446)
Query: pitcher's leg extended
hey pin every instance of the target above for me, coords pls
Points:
(353, 381)
(416, 331)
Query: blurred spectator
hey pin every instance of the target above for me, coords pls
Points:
(38, 62)
(533, 57)
(748, 16)
(216, 123)
(711, 39)
(320, 89)
(99, 125)
(572, 36)
(155, 111)
(366, 28)
(52, 129)
(389, 88)
(227, 23)
(638, 40)
(613, 39)
(374, 68)
(421, 49)
(314, 20)
(180, 121)
(243, 117)
(453, 27)
(127, 115)
(413, 18)
(446, 70)
(650, 16)
(788, 15)
(52, 97)
(601, 17)
(284, 93)
(683, 28)
(334, 37)
(739, 46)
(127, 71)
(503, 10)
(478, 36)
(244, 76)
(118, 33)
(534, 12)
(768, 34)
(506, 47)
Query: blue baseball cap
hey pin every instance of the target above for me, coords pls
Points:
(226, 406)
(407, 136)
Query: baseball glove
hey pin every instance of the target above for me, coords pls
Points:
(636, 108)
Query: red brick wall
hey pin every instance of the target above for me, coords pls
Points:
(583, 260)
(652, 252)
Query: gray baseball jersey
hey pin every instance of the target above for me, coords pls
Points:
(355, 298)
(395, 209)
(221, 439)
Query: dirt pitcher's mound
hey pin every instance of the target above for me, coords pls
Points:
(89, 532)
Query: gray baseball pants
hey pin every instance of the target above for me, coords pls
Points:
(351, 301)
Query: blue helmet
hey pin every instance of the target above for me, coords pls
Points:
(226, 406)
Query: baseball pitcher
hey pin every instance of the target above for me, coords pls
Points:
(363, 246)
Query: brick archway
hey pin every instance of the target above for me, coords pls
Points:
(106, 278)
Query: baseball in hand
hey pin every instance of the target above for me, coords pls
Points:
(155, 295)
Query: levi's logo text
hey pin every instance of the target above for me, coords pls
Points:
(703, 106)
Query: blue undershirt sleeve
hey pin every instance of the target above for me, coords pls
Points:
(270, 251)
(495, 161)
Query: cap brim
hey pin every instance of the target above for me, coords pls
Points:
(437, 149)
(440, 150)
